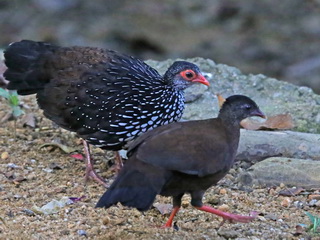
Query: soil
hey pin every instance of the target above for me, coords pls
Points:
(33, 176)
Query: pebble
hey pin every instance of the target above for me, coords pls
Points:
(105, 220)
(227, 233)
(286, 202)
(223, 191)
(33, 160)
(29, 212)
(12, 165)
(313, 202)
(271, 217)
(185, 203)
(314, 196)
(4, 155)
(82, 232)
(298, 204)
(224, 208)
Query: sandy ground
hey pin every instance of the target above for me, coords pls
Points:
(33, 176)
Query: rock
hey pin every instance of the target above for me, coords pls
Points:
(289, 171)
(228, 234)
(258, 145)
(273, 96)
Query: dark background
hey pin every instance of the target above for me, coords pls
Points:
(277, 38)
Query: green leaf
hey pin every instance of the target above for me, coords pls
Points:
(310, 216)
(4, 93)
(14, 100)
(315, 222)
(16, 111)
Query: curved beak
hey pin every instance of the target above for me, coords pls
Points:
(201, 79)
(258, 113)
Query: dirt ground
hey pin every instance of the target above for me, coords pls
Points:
(33, 176)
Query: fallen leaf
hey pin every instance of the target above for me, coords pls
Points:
(163, 208)
(29, 120)
(77, 156)
(299, 230)
(280, 121)
(221, 100)
(55, 166)
(77, 199)
(19, 179)
(291, 191)
(64, 148)
(52, 207)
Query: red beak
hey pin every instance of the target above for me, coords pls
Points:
(201, 79)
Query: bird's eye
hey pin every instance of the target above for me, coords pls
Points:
(188, 74)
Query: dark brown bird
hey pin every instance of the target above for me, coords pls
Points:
(182, 157)
(107, 98)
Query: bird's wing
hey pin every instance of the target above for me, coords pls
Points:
(95, 85)
(196, 147)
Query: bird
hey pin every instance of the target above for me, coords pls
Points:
(182, 157)
(106, 97)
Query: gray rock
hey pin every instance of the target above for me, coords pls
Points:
(273, 96)
(289, 171)
(258, 145)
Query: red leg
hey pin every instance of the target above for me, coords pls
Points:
(90, 172)
(227, 216)
(168, 224)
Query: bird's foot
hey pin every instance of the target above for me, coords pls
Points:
(168, 224)
(91, 173)
(229, 216)
(233, 218)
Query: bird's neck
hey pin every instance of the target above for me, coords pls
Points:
(230, 119)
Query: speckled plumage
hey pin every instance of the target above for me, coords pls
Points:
(106, 97)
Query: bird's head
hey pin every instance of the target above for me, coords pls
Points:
(182, 74)
(239, 107)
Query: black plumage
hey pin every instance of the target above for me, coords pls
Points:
(182, 157)
(107, 98)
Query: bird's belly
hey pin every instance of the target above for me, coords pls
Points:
(184, 183)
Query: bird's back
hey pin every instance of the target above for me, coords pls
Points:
(106, 97)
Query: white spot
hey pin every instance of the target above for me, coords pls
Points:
(120, 133)
(134, 132)
(104, 130)
(126, 116)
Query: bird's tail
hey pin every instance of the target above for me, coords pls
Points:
(136, 186)
(25, 63)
